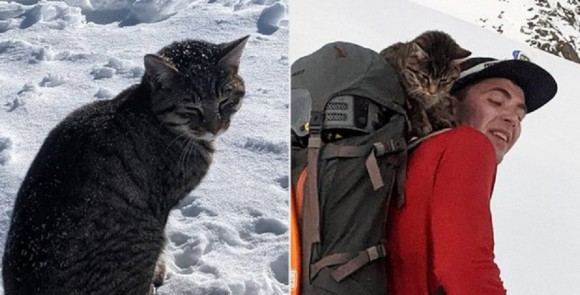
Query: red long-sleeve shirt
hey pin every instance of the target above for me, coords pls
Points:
(443, 235)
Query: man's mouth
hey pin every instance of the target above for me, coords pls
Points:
(501, 134)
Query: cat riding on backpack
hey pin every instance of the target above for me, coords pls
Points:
(348, 162)
(355, 114)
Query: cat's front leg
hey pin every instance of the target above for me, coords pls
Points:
(444, 114)
(420, 124)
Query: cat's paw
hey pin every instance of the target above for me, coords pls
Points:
(152, 290)
(159, 274)
(426, 129)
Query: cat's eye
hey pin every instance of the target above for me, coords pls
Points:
(225, 103)
(193, 111)
(229, 92)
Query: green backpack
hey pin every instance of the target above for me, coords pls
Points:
(348, 126)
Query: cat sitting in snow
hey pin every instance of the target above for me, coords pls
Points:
(90, 214)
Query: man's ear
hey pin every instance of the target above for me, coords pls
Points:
(158, 69)
(232, 54)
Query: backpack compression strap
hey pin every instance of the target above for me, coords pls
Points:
(378, 149)
(350, 263)
(311, 211)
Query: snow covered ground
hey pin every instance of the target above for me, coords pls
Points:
(230, 235)
(536, 202)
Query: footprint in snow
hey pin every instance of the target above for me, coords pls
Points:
(194, 209)
(224, 232)
(14, 104)
(188, 253)
(283, 181)
(5, 147)
(280, 268)
(27, 91)
(262, 145)
(270, 225)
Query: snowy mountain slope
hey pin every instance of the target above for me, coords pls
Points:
(229, 236)
(550, 25)
(536, 200)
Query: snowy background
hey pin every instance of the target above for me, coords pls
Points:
(536, 202)
(230, 235)
(551, 25)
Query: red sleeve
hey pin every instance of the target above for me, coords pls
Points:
(461, 224)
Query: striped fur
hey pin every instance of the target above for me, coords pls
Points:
(428, 66)
(90, 214)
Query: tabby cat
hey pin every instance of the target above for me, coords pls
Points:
(427, 66)
(89, 217)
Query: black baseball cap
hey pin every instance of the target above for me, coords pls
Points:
(538, 85)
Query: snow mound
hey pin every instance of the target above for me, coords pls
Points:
(18, 50)
(269, 21)
(120, 68)
(152, 11)
(52, 15)
(129, 12)
(102, 73)
(59, 15)
(52, 80)
(104, 93)
(264, 2)
(29, 88)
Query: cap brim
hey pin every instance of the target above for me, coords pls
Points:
(538, 85)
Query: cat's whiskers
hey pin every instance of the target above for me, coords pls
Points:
(191, 148)
(174, 140)
(184, 155)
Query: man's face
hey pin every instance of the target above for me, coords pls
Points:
(494, 106)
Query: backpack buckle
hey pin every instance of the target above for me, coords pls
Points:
(315, 125)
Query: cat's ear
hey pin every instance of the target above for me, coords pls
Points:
(232, 54)
(418, 51)
(461, 53)
(159, 69)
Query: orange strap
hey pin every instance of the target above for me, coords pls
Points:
(296, 201)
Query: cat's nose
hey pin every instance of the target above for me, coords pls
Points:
(432, 88)
(214, 126)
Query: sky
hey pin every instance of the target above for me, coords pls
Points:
(536, 200)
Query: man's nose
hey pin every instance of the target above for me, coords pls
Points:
(511, 118)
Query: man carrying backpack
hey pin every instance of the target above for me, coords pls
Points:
(438, 236)
(441, 241)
